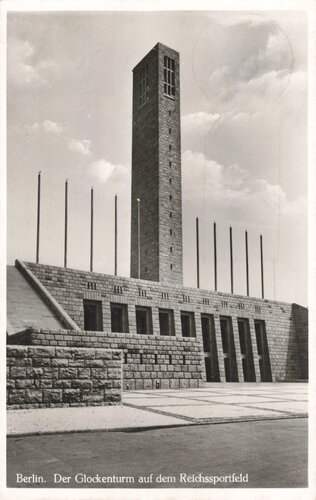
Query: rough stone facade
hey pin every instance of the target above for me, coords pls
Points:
(149, 362)
(71, 287)
(300, 319)
(156, 172)
(45, 376)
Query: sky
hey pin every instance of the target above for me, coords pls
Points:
(243, 80)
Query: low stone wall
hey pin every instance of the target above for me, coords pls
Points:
(149, 361)
(40, 377)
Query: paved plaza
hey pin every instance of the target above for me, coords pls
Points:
(214, 403)
(225, 402)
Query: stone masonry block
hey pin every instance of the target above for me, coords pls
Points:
(71, 395)
(52, 396)
(83, 372)
(64, 352)
(98, 373)
(41, 352)
(17, 372)
(114, 373)
(65, 373)
(41, 361)
(16, 397)
(90, 397)
(84, 353)
(174, 384)
(59, 362)
(62, 384)
(17, 351)
(81, 384)
(33, 396)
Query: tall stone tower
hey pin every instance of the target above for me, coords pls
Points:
(156, 168)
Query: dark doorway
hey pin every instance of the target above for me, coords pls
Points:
(210, 348)
(166, 322)
(144, 320)
(119, 318)
(187, 324)
(229, 352)
(92, 311)
(263, 351)
(246, 350)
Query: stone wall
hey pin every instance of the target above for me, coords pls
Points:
(70, 287)
(148, 362)
(300, 319)
(40, 377)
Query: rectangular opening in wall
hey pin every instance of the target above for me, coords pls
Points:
(228, 349)
(169, 80)
(119, 318)
(144, 324)
(187, 324)
(166, 322)
(263, 351)
(143, 86)
(92, 311)
(225, 333)
(118, 289)
(246, 350)
(210, 348)
(91, 285)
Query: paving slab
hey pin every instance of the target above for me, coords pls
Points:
(286, 406)
(59, 420)
(216, 412)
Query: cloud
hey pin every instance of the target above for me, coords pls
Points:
(82, 146)
(23, 67)
(257, 52)
(46, 126)
(53, 127)
(237, 19)
(104, 170)
(200, 121)
(231, 191)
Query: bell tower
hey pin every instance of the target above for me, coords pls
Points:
(156, 225)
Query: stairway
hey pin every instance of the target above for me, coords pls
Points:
(25, 307)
